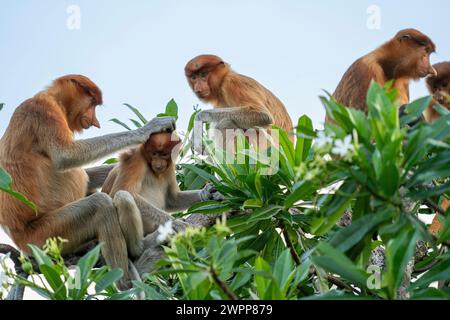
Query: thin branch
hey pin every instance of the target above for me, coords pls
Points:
(434, 206)
(336, 281)
(223, 285)
(427, 267)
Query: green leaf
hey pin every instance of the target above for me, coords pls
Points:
(136, 123)
(264, 213)
(441, 271)
(301, 192)
(303, 145)
(54, 280)
(333, 211)
(120, 123)
(202, 173)
(108, 279)
(6, 186)
(172, 109)
(284, 271)
(252, 204)
(262, 279)
(349, 236)
(40, 256)
(87, 263)
(111, 161)
(415, 110)
(209, 207)
(336, 262)
(136, 112)
(398, 253)
(150, 292)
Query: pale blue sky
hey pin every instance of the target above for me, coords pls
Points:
(136, 50)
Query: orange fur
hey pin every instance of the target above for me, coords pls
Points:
(226, 88)
(47, 119)
(137, 174)
(439, 88)
(403, 58)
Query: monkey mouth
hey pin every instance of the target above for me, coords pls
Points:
(85, 123)
(202, 95)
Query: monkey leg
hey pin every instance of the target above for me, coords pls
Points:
(90, 218)
(152, 217)
(130, 222)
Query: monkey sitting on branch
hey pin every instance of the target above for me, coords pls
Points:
(240, 102)
(45, 162)
(404, 58)
(148, 174)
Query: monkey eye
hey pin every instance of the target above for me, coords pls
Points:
(193, 77)
(204, 74)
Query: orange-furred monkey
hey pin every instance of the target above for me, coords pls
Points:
(44, 160)
(404, 58)
(240, 102)
(439, 88)
(148, 173)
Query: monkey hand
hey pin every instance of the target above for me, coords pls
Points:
(156, 125)
(209, 192)
(203, 116)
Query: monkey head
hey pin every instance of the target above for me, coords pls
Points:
(413, 50)
(439, 85)
(161, 150)
(205, 74)
(79, 96)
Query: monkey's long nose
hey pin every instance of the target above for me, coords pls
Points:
(95, 122)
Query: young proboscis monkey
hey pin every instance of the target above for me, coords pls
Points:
(404, 58)
(439, 88)
(240, 102)
(45, 162)
(148, 173)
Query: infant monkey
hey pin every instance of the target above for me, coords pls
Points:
(147, 172)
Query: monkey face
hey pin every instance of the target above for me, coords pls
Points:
(424, 67)
(160, 151)
(89, 119)
(439, 85)
(160, 161)
(200, 85)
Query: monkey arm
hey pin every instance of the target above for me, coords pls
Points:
(239, 117)
(228, 118)
(81, 152)
(97, 176)
(181, 200)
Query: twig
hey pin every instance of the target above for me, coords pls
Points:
(14, 253)
(434, 206)
(336, 281)
(225, 288)
(427, 267)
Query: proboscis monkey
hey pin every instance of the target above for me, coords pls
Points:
(148, 173)
(404, 58)
(240, 102)
(44, 160)
(439, 88)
